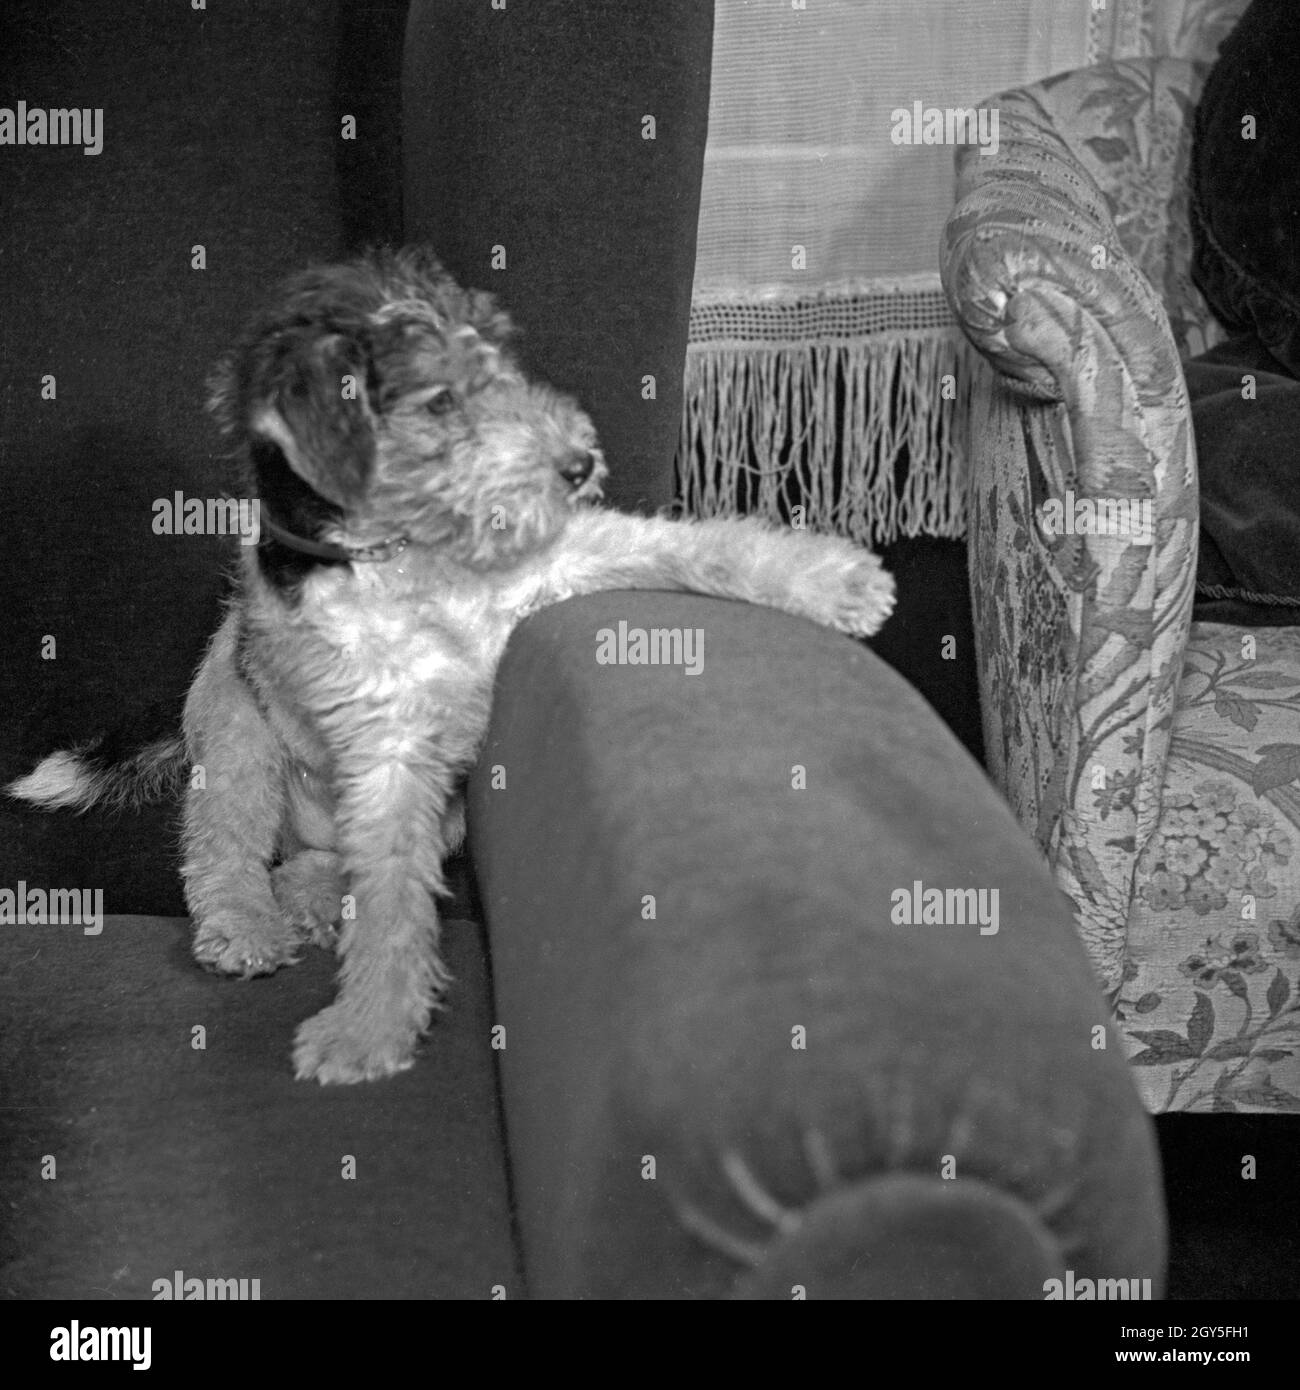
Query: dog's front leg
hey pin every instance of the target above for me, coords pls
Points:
(233, 812)
(826, 578)
(392, 786)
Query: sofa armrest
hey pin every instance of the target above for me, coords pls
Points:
(1083, 512)
(729, 1067)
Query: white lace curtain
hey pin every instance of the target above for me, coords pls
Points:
(817, 310)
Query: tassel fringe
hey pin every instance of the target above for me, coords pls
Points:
(868, 435)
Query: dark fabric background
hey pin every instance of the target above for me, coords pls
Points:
(523, 129)
(1246, 192)
(221, 128)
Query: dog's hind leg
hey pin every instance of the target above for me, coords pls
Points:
(233, 812)
(309, 888)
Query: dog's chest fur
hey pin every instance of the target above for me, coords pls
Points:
(405, 638)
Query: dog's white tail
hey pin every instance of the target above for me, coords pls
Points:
(94, 775)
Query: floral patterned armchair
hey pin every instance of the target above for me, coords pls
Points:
(1157, 761)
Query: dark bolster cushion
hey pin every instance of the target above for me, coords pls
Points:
(1246, 418)
(768, 1086)
(1245, 215)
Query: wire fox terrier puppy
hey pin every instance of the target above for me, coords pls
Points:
(419, 498)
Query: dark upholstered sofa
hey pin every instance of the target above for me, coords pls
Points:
(694, 1049)
(726, 1066)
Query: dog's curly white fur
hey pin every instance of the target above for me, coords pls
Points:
(423, 497)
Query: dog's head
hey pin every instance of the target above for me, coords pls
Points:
(379, 399)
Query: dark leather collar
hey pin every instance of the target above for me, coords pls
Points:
(328, 550)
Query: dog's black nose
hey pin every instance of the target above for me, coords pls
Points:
(578, 468)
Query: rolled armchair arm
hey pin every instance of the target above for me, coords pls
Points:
(1083, 514)
(1101, 155)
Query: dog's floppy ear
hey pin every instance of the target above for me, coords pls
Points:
(317, 411)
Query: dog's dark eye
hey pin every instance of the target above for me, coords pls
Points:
(441, 402)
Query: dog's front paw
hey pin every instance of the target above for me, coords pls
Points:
(245, 943)
(866, 596)
(850, 590)
(337, 1046)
